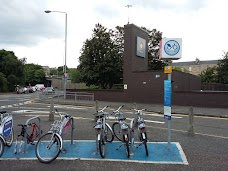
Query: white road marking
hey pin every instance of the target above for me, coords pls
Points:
(29, 111)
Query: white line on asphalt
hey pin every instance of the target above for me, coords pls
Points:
(215, 136)
(70, 107)
(158, 122)
(162, 116)
(29, 111)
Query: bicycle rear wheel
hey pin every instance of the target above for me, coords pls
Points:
(48, 148)
(101, 144)
(116, 127)
(2, 146)
(108, 133)
(9, 139)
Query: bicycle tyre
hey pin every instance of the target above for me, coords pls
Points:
(126, 143)
(43, 153)
(2, 146)
(116, 127)
(109, 133)
(9, 139)
(146, 148)
(101, 144)
(145, 143)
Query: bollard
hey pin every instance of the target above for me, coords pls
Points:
(190, 124)
(51, 114)
(96, 109)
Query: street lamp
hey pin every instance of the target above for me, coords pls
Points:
(64, 71)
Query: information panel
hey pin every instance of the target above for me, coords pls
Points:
(167, 99)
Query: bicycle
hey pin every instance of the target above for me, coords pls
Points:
(104, 132)
(50, 144)
(29, 133)
(121, 130)
(6, 130)
(139, 122)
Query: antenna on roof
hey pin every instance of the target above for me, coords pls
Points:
(128, 6)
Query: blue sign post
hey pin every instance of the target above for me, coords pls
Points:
(167, 99)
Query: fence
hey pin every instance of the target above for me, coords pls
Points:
(70, 96)
(214, 86)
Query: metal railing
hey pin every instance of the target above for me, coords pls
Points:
(70, 96)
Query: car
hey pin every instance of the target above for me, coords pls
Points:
(49, 90)
(40, 87)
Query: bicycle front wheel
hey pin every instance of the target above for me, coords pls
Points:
(144, 140)
(109, 133)
(116, 127)
(2, 146)
(48, 148)
(126, 143)
(9, 139)
(101, 144)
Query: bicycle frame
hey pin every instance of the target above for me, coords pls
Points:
(102, 129)
(138, 122)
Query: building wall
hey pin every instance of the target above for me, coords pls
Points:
(194, 67)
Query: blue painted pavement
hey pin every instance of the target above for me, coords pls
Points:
(85, 149)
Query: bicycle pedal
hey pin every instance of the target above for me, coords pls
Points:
(32, 143)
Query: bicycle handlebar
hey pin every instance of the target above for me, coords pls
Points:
(62, 114)
(118, 110)
(138, 111)
(102, 110)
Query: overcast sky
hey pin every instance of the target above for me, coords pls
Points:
(38, 36)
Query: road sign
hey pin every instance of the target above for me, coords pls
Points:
(170, 48)
(168, 69)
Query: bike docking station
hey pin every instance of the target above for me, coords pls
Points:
(158, 152)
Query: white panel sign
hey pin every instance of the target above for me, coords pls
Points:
(171, 48)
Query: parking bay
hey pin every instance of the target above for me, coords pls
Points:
(86, 150)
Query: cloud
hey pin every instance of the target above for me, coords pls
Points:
(177, 5)
(23, 23)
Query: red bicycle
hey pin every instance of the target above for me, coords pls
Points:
(29, 133)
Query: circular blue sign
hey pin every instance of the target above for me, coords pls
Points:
(171, 47)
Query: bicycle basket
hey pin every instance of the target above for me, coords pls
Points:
(56, 126)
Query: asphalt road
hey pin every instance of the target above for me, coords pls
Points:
(207, 150)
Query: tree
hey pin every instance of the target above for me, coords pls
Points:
(75, 75)
(3, 83)
(100, 60)
(222, 69)
(12, 82)
(34, 74)
(209, 75)
(12, 69)
(154, 63)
